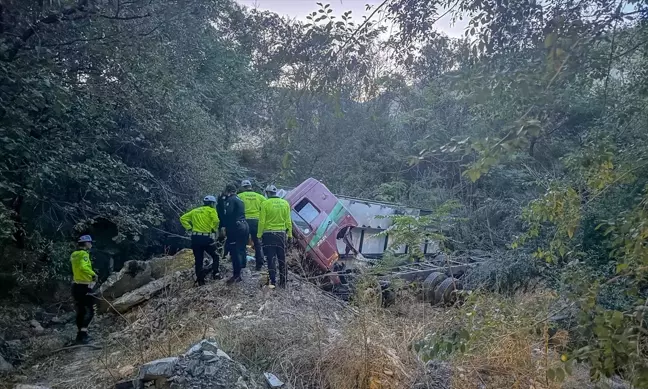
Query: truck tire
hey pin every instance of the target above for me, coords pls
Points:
(430, 284)
(443, 294)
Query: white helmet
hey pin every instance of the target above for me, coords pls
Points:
(246, 183)
(209, 199)
(271, 189)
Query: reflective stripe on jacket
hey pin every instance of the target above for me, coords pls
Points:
(202, 219)
(275, 216)
(252, 201)
(82, 267)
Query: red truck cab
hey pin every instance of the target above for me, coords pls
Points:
(318, 219)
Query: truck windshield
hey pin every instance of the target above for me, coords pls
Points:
(306, 210)
(300, 222)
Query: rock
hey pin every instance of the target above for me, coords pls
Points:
(138, 296)
(63, 319)
(133, 275)
(210, 371)
(162, 266)
(36, 327)
(241, 384)
(273, 381)
(5, 367)
(208, 355)
(161, 368)
(203, 345)
(222, 354)
(197, 370)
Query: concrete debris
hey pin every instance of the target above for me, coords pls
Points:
(5, 367)
(23, 386)
(163, 266)
(203, 345)
(208, 355)
(133, 275)
(273, 381)
(222, 354)
(161, 368)
(200, 367)
(138, 296)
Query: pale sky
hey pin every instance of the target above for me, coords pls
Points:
(298, 9)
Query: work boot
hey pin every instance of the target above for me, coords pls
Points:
(201, 282)
(83, 338)
(217, 276)
(271, 286)
(234, 279)
(282, 284)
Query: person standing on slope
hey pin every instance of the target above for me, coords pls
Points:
(203, 223)
(237, 231)
(84, 279)
(275, 228)
(252, 201)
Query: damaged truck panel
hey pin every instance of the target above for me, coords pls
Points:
(318, 219)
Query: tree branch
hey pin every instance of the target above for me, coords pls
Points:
(49, 19)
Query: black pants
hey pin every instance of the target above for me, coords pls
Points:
(84, 303)
(274, 245)
(237, 238)
(201, 244)
(258, 248)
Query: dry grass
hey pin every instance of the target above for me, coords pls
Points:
(311, 340)
(509, 345)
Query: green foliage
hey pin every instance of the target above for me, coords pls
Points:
(414, 231)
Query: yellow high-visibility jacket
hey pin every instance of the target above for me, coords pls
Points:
(82, 267)
(252, 201)
(202, 219)
(275, 216)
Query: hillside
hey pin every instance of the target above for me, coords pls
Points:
(303, 335)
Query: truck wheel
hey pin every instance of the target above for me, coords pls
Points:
(443, 294)
(388, 294)
(430, 284)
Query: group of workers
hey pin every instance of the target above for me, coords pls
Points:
(234, 219)
(228, 222)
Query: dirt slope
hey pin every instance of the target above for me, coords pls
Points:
(259, 327)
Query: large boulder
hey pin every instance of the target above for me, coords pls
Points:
(138, 296)
(163, 266)
(133, 275)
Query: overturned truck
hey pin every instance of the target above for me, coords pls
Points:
(340, 235)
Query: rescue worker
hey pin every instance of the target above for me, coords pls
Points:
(236, 230)
(202, 222)
(275, 228)
(252, 201)
(84, 279)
